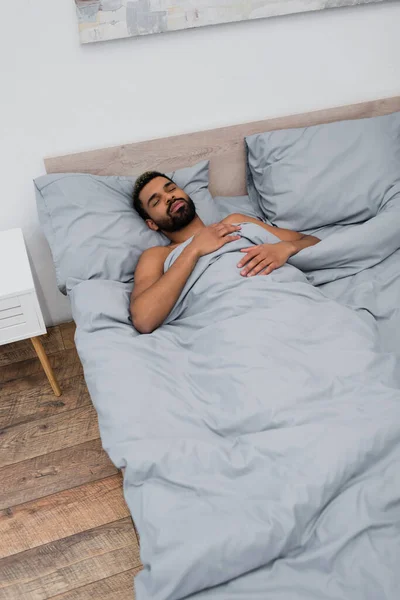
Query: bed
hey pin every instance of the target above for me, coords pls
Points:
(270, 470)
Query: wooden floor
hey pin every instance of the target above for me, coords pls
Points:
(65, 530)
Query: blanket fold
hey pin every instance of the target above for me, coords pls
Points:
(353, 248)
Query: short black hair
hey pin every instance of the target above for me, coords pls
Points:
(140, 182)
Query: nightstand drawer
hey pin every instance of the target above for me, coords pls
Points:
(19, 318)
(7, 314)
(10, 320)
(8, 304)
(11, 313)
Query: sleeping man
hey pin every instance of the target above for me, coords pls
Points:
(166, 208)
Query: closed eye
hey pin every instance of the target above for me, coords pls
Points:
(154, 200)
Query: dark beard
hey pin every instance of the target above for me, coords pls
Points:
(178, 220)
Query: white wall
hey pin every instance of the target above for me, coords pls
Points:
(59, 97)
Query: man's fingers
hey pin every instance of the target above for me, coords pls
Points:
(248, 249)
(244, 261)
(231, 228)
(226, 228)
(261, 265)
(253, 263)
(230, 238)
(251, 252)
(269, 269)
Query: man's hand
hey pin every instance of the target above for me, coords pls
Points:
(213, 237)
(263, 259)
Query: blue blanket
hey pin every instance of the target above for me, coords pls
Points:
(259, 429)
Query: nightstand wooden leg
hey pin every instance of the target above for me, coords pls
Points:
(40, 351)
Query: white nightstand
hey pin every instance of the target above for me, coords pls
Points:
(20, 314)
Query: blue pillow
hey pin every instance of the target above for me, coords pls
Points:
(228, 205)
(337, 173)
(93, 230)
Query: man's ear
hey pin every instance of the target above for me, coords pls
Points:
(152, 225)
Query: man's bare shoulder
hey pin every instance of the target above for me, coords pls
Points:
(156, 253)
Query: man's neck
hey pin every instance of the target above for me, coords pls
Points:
(178, 237)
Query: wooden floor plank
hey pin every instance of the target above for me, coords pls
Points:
(61, 515)
(22, 350)
(25, 374)
(68, 333)
(69, 578)
(70, 563)
(118, 587)
(65, 529)
(48, 558)
(39, 401)
(51, 473)
(35, 438)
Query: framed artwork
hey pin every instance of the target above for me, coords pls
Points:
(111, 19)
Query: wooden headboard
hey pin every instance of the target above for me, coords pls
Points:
(224, 147)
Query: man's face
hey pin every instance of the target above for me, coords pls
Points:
(167, 205)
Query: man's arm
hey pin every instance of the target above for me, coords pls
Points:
(155, 293)
(267, 257)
